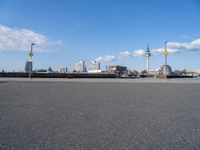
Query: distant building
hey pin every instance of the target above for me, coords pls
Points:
(177, 72)
(41, 70)
(117, 69)
(49, 70)
(194, 74)
(80, 66)
(143, 72)
(153, 72)
(28, 67)
(94, 71)
(94, 67)
(63, 70)
(163, 71)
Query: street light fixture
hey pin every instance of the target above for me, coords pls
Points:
(166, 52)
(30, 59)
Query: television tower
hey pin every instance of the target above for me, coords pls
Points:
(148, 55)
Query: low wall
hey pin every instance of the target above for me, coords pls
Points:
(58, 75)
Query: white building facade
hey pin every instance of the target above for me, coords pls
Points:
(94, 67)
(63, 70)
(80, 66)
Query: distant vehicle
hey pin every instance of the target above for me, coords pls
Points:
(124, 76)
(129, 76)
(139, 76)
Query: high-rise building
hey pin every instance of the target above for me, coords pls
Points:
(80, 66)
(148, 55)
(28, 66)
(94, 66)
(63, 70)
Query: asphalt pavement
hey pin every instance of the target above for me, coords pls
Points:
(99, 116)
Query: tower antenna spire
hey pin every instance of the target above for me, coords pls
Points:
(148, 55)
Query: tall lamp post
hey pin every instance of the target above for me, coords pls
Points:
(31, 61)
(166, 52)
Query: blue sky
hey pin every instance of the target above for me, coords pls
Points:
(66, 31)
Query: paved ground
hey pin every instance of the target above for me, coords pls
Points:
(91, 115)
(112, 80)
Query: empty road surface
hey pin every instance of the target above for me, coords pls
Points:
(99, 115)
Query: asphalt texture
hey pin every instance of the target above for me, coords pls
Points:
(99, 116)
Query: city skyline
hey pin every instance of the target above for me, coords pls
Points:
(114, 33)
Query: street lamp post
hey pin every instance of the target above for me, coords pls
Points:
(166, 52)
(31, 61)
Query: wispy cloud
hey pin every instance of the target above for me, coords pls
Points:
(160, 51)
(136, 53)
(106, 58)
(173, 47)
(185, 36)
(18, 39)
(122, 55)
(189, 46)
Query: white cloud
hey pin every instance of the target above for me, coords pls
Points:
(190, 46)
(176, 47)
(122, 55)
(16, 39)
(173, 47)
(126, 54)
(139, 53)
(160, 51)
(106, 58)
